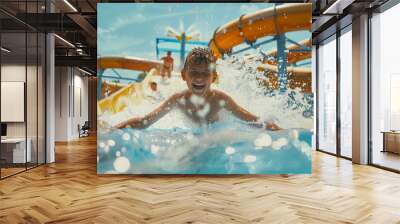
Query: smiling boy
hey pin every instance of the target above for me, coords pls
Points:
(199, 102)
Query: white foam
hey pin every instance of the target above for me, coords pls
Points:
(294, 134)
(249, 159)
(155, 149)
(204, 111)
(263, 140)
(239, 78)
(278, 144)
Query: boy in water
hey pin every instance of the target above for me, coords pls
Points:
(199, 102)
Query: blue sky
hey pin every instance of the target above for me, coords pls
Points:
(130, 29)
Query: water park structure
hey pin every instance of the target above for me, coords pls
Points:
(251, 29)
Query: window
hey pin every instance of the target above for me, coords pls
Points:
(346, 93)
(385, 88)
(327, 96)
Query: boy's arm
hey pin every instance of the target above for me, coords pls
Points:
(152, 117)
(245, 115)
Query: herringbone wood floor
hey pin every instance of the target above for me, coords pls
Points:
(70, 191)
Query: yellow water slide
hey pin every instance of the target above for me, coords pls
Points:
(268, 22)
(130, 94)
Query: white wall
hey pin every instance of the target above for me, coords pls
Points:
(33, 127)
(70, 83)
(12, 73)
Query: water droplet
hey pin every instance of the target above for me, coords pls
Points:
(122, 164)
(126, 136)
(123, 150)
(229, 150)
(111, 143)
(106, 149)
(155, 149)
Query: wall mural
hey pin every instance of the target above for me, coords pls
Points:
(205, 88)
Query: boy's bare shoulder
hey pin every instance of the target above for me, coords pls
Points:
(220, 95)
(177, 96)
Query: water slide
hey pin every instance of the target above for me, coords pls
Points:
(268, 22)
(130, 63)
(131, 93)
(247, 28)
(294, 55)
(298, 71)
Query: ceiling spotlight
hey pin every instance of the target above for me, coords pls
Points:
(65, 41)
(84, 71)
(5, 50)
(70, 5)
(337, 7)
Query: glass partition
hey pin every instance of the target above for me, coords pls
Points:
(13, 94)
(346, 93)
(385, 89)
(327, 96)
(22, 88)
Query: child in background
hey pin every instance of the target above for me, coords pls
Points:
(154, 93)
(168, 65)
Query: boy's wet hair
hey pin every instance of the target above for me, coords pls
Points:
(200, 55)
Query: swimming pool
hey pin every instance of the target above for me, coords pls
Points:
(173, 145)
(217, 149)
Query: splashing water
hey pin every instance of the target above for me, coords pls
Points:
(239, 80)
(175, 145)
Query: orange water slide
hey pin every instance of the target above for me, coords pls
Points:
(298, 71)
(131, 63)
(292, 56)
(268, 22)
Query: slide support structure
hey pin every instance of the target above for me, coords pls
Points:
(282, 63)
(99, 82)
(183, 46)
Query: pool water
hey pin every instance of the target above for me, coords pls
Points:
(217, 149)
(173, 145)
